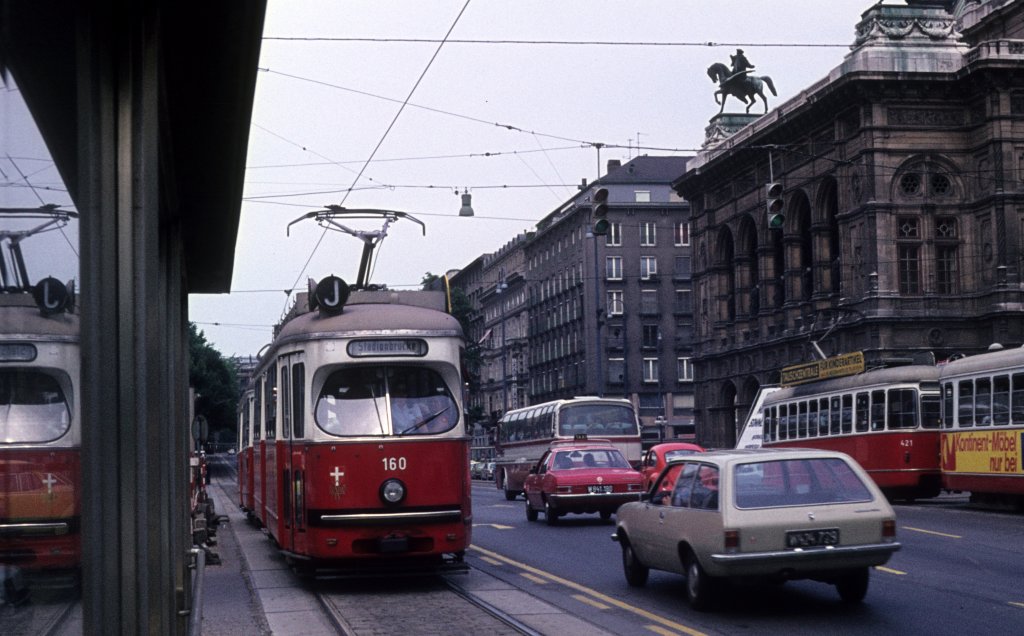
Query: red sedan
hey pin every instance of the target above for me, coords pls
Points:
(580, 477)
(659, 455)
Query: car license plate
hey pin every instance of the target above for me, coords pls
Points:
(812, 538)
(600, 490)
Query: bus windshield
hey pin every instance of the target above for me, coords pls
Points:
(385, 400)
(596, 420)
(33, 407)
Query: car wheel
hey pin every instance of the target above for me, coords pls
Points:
(531, 514)
(636, 572)
(550, 515)
(700, 588)
(510, 495)
(606, 515)
(853, 587)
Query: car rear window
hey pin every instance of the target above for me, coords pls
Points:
(796, 482)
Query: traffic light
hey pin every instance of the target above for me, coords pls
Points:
(774, 203)
(599, 212)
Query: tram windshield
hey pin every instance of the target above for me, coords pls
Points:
(386, 400)
(33, 407)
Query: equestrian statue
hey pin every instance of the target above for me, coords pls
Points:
(738, 82)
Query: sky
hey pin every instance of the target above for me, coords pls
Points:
(508, 119)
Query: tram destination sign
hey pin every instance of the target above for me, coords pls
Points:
(834, 367)
(387, 347)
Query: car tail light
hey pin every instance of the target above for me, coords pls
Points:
(563, 490)
(732, 540)
(889, 529)
(635, 487)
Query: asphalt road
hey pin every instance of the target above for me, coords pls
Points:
(959, 572)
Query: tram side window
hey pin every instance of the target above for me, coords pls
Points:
(286, 404)
(812, 418)
(801, 419)
(965, 403)
(783, 429)
(836, 416)
(931, 411)
(947, 404)
(902, 408)
(257, 412)
(823, 416)
(983, 401)
(861, 412)
(271, 395)
(847, 413)
(1017, 399)
(769, 424)
(33, 407)
(878, 410)
(298, 400)
(1001, 399)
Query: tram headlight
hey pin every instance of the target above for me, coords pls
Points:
(392, 492)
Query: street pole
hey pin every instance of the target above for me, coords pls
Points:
(597, 320)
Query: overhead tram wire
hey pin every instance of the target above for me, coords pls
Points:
(384, 136)
(562, 42)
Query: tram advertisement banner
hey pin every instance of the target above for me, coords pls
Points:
(993, 452)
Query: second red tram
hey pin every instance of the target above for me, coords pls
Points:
(983, 426)
(353, 448)
(887, 419)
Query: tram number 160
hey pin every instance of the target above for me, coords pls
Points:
(393, 463)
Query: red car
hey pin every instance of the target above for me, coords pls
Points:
(659, 455)
(580, 477)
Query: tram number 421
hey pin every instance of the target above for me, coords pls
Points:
(393, 463)
(906, 443)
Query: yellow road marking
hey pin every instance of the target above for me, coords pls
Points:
(661, 630)
(604, 598)
(939, 534)
(889, 570)
(492, 561)
(1016, 604)
(535, 579)
(589, 601)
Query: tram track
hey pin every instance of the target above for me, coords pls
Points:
(422, 605)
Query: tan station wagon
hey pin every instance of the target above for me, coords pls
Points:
(759, 514)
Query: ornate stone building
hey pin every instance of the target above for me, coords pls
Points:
(903, 200)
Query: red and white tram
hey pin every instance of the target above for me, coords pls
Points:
(40, 422)
(887, 419)
(983, 425)
(356, 450)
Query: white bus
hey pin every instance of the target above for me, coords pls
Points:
(524, 434)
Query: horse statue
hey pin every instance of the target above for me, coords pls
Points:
(742, 86)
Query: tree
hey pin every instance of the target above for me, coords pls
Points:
(215, 384)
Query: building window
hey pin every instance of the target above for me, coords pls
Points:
(945, 269)
(910, 270)
(648, 267)
(684, 369)
(909, 253)
(650, 370)
(650, 336)
(614, 236)
(642, 196)
(616, 370)
(682, 233)
(649, 302)
(683, 267)
(684, 301)
(613, 267)
(648, 234)
(615, 304)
